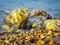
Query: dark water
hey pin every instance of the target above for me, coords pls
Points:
(51, 6)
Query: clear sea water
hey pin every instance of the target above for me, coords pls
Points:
(51, 6)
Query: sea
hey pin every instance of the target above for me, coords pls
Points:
(50, 6)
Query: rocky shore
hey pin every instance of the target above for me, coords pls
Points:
(24, 27)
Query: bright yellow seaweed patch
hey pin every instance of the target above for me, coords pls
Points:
(17, 17)
(50, 24)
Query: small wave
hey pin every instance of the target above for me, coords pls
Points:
(4, 12)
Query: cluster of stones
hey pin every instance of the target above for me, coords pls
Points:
(35, 27)
(32, 37)
(26, 20)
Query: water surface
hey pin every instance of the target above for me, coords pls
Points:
(51, 6)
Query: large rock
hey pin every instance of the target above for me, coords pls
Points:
(37, 18)
(52, 24)
(37, 12)
(36, 22)
(17, 18)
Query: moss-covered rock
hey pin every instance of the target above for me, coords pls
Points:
(17, 17)
(52, 24)
(6, 28)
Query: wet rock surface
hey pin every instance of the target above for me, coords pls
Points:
(23, 27)
(38, 12)
(17, 17)
(24, 19)
(52, 24)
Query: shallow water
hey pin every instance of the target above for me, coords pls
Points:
(51, 6)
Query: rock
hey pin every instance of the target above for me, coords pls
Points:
(52, 24)
(6, 28)
(36, 21)
(51, 42)
(58, 42)
(36, 26)
(17, 18)
(46, 40)
(37, 12)
(58, 25)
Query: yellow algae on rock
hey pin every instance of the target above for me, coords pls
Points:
(50, 24)
(17, 17)
(6, 28)
(58, 22)
(40, 42)
(51, 42)
(36, 26)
